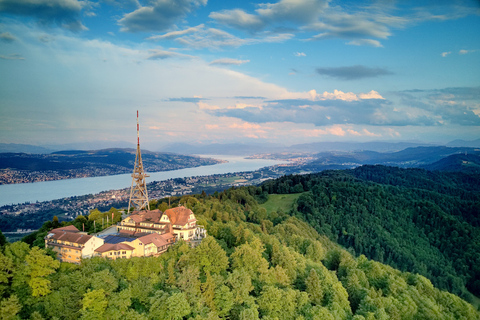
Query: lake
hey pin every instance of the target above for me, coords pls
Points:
(51, 190)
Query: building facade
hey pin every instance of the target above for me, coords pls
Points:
(71, 245)
(179, 221)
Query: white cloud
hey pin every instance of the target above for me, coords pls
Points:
(297, 11)
(7, 37)
(300, 54)
(176, 34)
(213, 38)
(156, 54)
(366, 42)
(334, 130)
(363, 132)
(337, 95)
(238, 19)
(160, 16)
(465, 51)
(444, 54)
(371, 95)
(228, 61)
(205, 106)
(63, 13)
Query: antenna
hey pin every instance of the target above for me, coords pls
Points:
(138, 191)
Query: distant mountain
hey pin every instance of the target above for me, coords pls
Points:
(263, 148)
(407, 158)
(468, 163)
(463, 143)
(378, 146)
(23, 148)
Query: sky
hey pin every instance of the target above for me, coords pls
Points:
(203, 71)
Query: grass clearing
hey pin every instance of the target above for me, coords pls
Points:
(280, 201)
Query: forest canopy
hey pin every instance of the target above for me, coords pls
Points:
(411, 219)
(253, 265)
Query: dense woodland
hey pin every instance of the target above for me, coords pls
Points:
(412, 219)
(253, 265)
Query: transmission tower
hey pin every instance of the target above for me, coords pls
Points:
(138, 191)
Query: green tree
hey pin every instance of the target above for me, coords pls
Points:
(94, 304)
(314, 287)
(9, 308)
(169, 307)
(209, 257)
(6, 273)
(249, 257)
(39, 265)
(241, 284)
(3, 240)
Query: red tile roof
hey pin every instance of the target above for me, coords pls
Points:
(179, 215)
(113, 247)
(128, 232)
(70, 228)
(73, 237)
(154, 238)
(153, 216)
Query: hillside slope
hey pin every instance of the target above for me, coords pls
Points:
(412, 219)
(253, 265)
(467, 163)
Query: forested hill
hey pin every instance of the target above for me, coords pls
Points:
(468, 163)
(255, 264)
(23, 167)
(412, 219)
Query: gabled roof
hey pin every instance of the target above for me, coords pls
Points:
(73, 237)
(179, 215)
(70, 228)
(113, 247)
(157, 239)
(153, 216)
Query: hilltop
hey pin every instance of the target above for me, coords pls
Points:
(468, 163)
(253, 265)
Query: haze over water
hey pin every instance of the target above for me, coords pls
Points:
(51, 190)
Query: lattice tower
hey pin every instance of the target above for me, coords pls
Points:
(138, 191)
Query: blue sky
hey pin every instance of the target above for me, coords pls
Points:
(202, 71)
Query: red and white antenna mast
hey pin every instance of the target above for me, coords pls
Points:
(138, 131)
(138, 191)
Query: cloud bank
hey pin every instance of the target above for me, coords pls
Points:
(353, 72)
(63, 13)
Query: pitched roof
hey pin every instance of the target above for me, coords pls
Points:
(74, 237)
(126, 232)
(70, 228)
(179, 215)
(167, 236)
(151, 216)
(113, 247)
(154, 238)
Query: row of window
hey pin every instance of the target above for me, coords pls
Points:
(116, 253)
